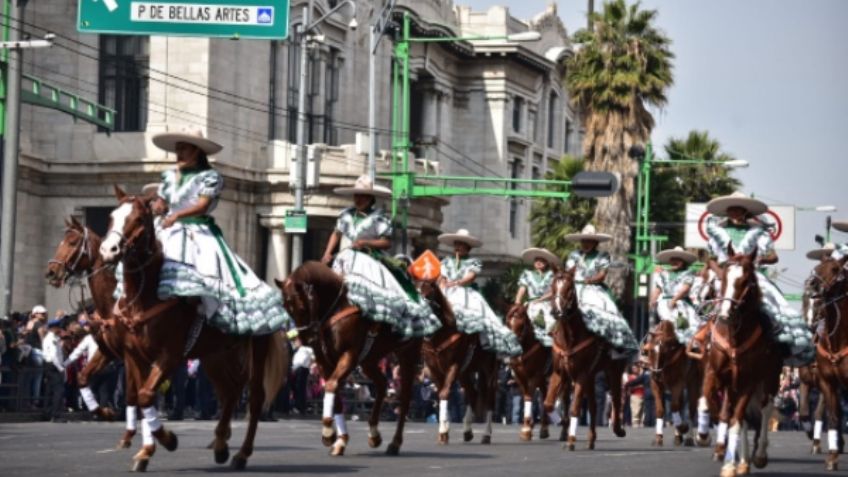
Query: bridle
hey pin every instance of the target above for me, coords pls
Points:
(82, 250)
(734, 302)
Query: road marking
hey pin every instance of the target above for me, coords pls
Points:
(106, 451)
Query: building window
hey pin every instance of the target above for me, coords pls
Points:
(97, 219)
(552, 107)
(123, 81)
(532, 123)
(517, 111)
(331, 98)
(515, 173)
(566, 147)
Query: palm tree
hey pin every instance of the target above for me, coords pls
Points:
(673, 187)
(622, 67)
(552, 219)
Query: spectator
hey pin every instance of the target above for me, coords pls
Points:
(635, 387)
(54, 357)
(33, 335)
(304, 358)
(85, 350)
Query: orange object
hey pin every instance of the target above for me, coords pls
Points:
(426, 267)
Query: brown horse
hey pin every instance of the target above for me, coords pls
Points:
(531, 369)
(342, 338)
(832, 346)
(742, 361)
(474, 367)
(672, 370)
(164, 330)
(584, 355)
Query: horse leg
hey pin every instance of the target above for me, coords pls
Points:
(594, 412)
(706, 409)
(544, 433)
(97, 363)
(490, 394)
(444, 393)
(693, 392)
(614, 374)
(831, 395)
(526, 433)
(804, 409)
(658, 391)
(146, 401)
(329, 437)
(721, 432)
(372, 371)
(574, 412)
(736, 422)
(408, 358)
(553, 388)
(743, 468)
(818, 425)
(471, 393)
(680, 428)
(131, 411)
(259, 349)
(761, 455)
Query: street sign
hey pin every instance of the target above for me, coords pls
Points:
(259, 19)
(594, 184)
(295, 222)
(781, 218)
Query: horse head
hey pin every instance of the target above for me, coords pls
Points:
(829, 278)
(564, 301)
(518, 320)
(739, 287)
(311, 293)
(75, 255)
(130, 229)
(438, 302)
(661, 345)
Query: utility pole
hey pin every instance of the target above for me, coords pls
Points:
(300, 184)
(376, 35)
(589, 13)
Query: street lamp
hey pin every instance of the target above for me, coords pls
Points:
(299, 214)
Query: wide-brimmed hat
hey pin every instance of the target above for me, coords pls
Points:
(840, 225)
(719, 205)
(819, 253)
(588, 233)
(531, 254)
(364, 186)
(168, 141)
(38, 309)
(150, 189)
(461, 235)
(677, 252)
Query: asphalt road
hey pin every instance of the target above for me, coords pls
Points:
(294, 448)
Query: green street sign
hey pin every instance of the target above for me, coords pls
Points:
(259, 19)
(295, 222)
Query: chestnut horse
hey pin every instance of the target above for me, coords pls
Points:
(671, 369)
(168, 332)
(832, 346)
(450, 355)
(742, 361)
(585, 355)
(531, 369)
(316, 299)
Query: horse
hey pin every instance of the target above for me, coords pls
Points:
(531, 369)
(742, 361)
(672, 370)
(165, 333)
(584, 354)
(451, 355)
(832, 346)
(342, 338)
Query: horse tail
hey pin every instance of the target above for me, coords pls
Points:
(276, 368)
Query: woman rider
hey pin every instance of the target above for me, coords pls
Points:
(670, 297)
(382, 290)
(599, 311)
(535, 284)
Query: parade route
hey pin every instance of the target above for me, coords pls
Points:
(294, 448)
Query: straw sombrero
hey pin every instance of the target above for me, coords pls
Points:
(588, 233)
(677, 252)
(719, 205)
(531, 254)
(364, 186)
(168, 141)
(461, 235)
(150, 189)
(819, 253)
(840, 225)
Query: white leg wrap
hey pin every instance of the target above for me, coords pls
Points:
(488, 431)
(88, 398)
(703, 422)
(721, 433)
(341, 426)
(151, 416)
(676, 419)
(660, 424)
(833, 440)
(572, 427)
(469, 418)
(329, 402)
(373, 431)
(130, 418)
(528, 409)
(444, 422)
(146, 435)
(817, 430)
(554, 417)
(732, 442)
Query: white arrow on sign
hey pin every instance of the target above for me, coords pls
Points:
(111, 5)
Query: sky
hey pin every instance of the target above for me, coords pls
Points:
(769, 80)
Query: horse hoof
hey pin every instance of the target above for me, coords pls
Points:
(658, 441)
(743, 468)
(544, 433)
(683, 428)
(688, 442)
(105, 413)
(222, 456)
(760, 462)
(337, 450)
(718, 456)
(444, 438)
(393, 449)
(703, 440)
(571, 441)
(619, 431)
(328, 440)
(239, 462)
(124, 444)
(590, 445)
(728, 471)
(170, 441)
(832, 466)
(468, 436)
(526, 435)
(140, 465)
(563, 436)
(678, 441)
(816, 449)
(486, 440)
(375, 441)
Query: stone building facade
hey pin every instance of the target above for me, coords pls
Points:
(482, 108)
